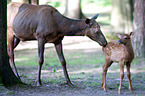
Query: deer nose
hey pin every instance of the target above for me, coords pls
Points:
(119, 41)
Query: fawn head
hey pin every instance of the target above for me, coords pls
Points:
(124, 38)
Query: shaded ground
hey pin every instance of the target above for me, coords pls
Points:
(84, 63)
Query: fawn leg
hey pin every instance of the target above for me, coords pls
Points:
(105, 68)
(129, 75)
(59, 50)
(40, 61)
(121, 65)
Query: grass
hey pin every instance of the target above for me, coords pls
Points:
(84, 67)
(54, 4)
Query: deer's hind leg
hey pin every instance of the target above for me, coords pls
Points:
(121, 65)
(58, 47)
(12, 42)
(129, 75)
(41, 46)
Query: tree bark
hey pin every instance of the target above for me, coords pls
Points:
(34, 2)
(6, 73)
(121, 16)
(8, 1)
(139, 28)
(29, 1)
(26, 1)
(73, 9)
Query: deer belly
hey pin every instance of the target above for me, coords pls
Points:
(24, 35)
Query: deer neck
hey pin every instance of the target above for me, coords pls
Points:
(70, 27)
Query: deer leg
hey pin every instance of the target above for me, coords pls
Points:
(105, 68)
(129, 75)
(59, 50)
(40, 60)
(121, 65)
(10, 50)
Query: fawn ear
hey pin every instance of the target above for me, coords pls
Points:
(131, 34)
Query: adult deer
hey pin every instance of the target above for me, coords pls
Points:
(121, 52)
(46, 25)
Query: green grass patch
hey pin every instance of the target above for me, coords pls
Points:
(10, 93)
(54, 4)
(103, 3)
(136, 61)
(111, 36)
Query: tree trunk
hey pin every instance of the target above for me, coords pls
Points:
(34, 2)
(6, 73)
(29, 1)
(73, 9)
(8, 1)
(26, 1)
(121, 16)
(139, 28)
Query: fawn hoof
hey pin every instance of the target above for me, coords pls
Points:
(119, 91)
(103, 86)
(105, 89)
(38, 84)
(130, 90)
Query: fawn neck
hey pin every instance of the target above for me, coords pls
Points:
(129, 49)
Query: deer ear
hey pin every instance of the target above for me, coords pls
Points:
(87, 21)
(95, 17)
(131, 34)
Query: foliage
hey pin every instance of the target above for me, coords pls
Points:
(97, 2)
(111, 36)
(54, 4)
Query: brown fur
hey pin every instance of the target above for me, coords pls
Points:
(122, 53)
(46, 25)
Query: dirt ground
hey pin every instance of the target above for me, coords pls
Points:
(84, 59)
(86, 77)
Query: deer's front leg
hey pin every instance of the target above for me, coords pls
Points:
(59, 50)
(107, 64)
(40, 60)
(121, 65)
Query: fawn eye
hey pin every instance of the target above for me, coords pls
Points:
(126, 38)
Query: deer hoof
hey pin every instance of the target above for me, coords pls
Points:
(38, 83)
(70, 84)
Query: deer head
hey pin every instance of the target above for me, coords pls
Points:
(124, 38)
(94, 32)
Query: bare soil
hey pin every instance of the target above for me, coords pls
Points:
(84, 59)
(84, 74)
